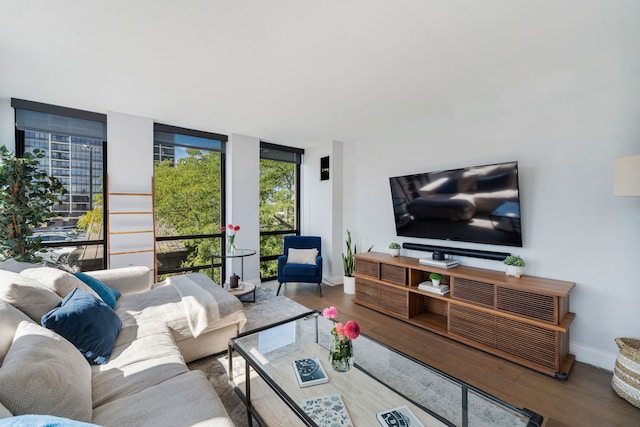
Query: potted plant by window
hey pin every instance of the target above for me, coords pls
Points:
(435, 278)
(395, 249)
(349, 264)
(27, 196)
(515, 265)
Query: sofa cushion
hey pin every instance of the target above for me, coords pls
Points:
(44, 374)
(127, 280)
(108, 295)
(42, 421)
(193, 400)
(87, 322)
(10, 318)
(302, 256)
(27, 295)
(60, 282)
(143, 356)
(163, 304)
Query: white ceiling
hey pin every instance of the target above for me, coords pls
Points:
(297, 72)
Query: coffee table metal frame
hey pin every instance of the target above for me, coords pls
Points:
(530, 418)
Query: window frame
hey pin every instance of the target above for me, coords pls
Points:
(73, 113)
(159, 127)
(295, 156)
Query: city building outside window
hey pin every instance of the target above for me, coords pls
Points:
(74, 146)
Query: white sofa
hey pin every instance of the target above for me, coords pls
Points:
(145, 381)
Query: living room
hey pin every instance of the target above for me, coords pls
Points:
(551, 86)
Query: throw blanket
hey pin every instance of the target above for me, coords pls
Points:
(201, 308)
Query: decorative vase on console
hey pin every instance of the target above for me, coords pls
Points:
(341, 351)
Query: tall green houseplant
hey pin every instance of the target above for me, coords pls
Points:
(348, 261)
(27, 196)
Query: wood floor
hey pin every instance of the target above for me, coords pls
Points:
(585, 399)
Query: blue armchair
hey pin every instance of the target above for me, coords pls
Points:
(307, 272)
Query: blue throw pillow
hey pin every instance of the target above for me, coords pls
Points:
(108, 295)
(88, 323)
(33, 420)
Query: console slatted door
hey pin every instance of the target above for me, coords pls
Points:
(528, 304)
(367, 268)
(472, 324)
(394, 300)
(473, 291)
(366, 291)
(528, 342)
(393, 274)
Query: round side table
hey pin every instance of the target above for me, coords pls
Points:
(244, 288)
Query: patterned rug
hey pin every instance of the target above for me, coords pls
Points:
(431, 392)
(267, 309)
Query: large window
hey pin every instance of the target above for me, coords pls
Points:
(74, 145)
(279, 203)
(188, 199)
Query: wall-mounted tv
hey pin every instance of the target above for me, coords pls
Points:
(479, 204)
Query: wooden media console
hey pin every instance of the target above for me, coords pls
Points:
(525, 320)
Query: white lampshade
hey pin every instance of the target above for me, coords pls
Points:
(626, 176)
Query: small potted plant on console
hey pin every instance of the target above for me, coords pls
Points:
(395, 249)
(515, 265)
(435, 278)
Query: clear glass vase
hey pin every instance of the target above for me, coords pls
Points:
(341, 354)
(231, 245)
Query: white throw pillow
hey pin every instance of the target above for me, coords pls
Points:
(27, 295)
(60, 282)
(44, 374)
(302, 256)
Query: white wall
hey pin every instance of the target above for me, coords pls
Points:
(130, 171)
(565, 131)
(243, 202)
(7, 124)
(322, 206)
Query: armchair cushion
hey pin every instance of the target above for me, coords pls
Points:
(302, 256)
(304, 270)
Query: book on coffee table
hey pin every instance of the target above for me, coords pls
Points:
(398, 417)
(327, 411)
(309, 372)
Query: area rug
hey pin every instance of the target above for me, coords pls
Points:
(267, 309)
(430, 392)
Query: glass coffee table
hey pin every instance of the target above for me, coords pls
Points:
(381, 380)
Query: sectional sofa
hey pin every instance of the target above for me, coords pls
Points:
(117, 366)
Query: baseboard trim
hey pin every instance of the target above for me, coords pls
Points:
(332, 280)
(594, 356)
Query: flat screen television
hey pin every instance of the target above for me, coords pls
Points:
(479, 204)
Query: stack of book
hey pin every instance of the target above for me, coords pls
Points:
(430, 287)
(445, 263)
